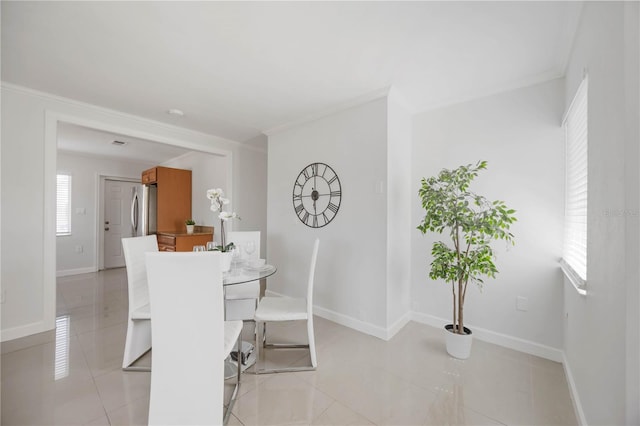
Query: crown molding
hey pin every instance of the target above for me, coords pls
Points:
(123, 115)
(396, 95)
(495, 90)
(368, 97)
(567, 42)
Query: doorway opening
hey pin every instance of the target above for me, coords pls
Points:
(190, 144)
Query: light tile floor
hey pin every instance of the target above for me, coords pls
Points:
(73, 376)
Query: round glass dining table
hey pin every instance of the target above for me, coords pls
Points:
(240, 274)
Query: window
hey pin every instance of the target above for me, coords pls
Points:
(574, 253)
(63, 205)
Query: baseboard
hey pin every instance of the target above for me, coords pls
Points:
(485, 335)
(398, 325)
(77, 271)
(500, 339)
(356, 324)
(573, 390)
(23, 331)
(347, 321)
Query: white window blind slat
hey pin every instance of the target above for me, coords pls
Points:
(574, 255)
(63, 205)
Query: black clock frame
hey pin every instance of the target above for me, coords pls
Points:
(315, 195)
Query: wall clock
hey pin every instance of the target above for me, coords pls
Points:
(316, 195)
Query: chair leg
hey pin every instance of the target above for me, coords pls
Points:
(137, 344)
(259, 345)
(264, 335)
(139, 369)
(239, 355)
(234, 394)
(261, 337)
(312, 342)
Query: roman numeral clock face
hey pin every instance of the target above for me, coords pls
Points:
(316, 195)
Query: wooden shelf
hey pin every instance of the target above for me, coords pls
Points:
(170, 241)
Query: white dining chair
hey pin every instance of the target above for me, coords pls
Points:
(278, 309)
(191, 340)
(242, 299)
(138, 341)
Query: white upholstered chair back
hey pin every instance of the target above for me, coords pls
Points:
(187, 379)
(278, 309)
(134, 254)
(138, 340)
(312, 274)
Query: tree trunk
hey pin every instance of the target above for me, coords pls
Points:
(460, 306)
(455, 307)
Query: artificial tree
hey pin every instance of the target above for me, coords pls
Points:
(472, 222)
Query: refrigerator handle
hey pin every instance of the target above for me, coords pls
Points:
(134, 212)
(145, 210)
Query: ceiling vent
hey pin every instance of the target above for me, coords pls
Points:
(118, 143)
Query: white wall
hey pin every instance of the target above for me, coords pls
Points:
(519, 133)
(22, 202)
(250, 191)
(602, 366)
(246, 189)
(207, 171)
(399, 225)
(632, 231)
(351, 270)
(29, 125)
(85, 171)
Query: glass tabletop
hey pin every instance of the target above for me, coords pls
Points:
(242, 274)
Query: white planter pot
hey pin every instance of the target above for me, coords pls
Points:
(458, 345)
(190, 229)
(225, 261)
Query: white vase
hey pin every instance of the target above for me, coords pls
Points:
(190, 229)
(458, 345)
(225, 261)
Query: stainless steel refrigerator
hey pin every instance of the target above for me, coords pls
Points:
(149, 216)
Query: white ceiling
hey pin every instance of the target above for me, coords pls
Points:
(98, 143)
(238, 69)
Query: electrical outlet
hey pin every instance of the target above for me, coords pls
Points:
(522, 303)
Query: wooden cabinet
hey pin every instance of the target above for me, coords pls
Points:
(166, 242)
(173, 206)
(173, 188)
(149, 176)
(182, 242)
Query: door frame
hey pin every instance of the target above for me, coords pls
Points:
(112, 122)
(100, 193)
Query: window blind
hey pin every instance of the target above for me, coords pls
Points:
(576, 188)
(63, 205)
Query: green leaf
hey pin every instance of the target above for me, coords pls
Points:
(471, 221)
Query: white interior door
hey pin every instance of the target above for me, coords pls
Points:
(117, 220)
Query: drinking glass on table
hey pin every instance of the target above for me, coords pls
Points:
(249, 248)
(235, 255)
(211, 246)
(199, 248)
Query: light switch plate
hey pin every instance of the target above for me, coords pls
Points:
(522, 303)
